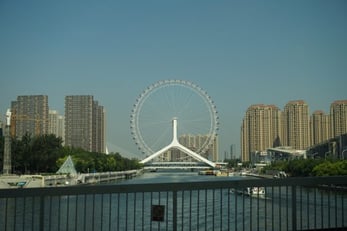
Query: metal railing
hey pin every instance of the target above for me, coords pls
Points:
(288, 204)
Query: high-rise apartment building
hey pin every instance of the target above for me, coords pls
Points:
(29, 115)
(338, 117)
(56, 124)
(261, 129)
(296, 125)
(99, 128)
(84, 123)
(320, 127)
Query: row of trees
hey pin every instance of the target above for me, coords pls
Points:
(45, 153)
(310, 167)
(300, 167)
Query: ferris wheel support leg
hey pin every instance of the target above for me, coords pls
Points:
(154, 155)
(195, 155)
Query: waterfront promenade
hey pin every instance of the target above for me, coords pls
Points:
(58, 180)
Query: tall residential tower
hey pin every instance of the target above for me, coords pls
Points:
(84, 123)
(56, 124)
(296, 125)
(260, 129)
(338, 116)
(29, 115)
(320, 127)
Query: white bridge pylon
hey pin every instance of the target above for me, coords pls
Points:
(175, 144)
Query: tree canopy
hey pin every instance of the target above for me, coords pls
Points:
(311, 167)
(45, 154)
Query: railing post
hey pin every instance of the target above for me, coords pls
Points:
(174, 210)
(293, 207)
(42, 212)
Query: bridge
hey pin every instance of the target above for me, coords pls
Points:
(175, 144)
(176, 165)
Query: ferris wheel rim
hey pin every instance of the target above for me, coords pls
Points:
(141, 99)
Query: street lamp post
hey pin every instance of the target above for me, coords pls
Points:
(314, 155)
(342, 155)
(325, 155)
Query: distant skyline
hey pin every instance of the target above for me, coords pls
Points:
(241, 52)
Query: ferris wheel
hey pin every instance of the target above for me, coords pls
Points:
(164, 100)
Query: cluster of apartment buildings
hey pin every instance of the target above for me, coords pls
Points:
(82, 126)
(266, 126)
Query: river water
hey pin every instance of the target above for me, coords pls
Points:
(224, 210)
(218, 209)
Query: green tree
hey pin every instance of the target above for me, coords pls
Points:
(329, 168)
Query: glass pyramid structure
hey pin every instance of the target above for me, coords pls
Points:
(67, 167)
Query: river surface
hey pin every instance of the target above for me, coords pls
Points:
(217, 209)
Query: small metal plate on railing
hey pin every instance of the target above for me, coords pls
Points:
(158, 212)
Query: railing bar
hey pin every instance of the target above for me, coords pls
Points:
(151, 203)
(329, 226)
(59, 205)
(42, 212)
(110, 211)
(293, 207)
(228, 209)
(280, 207)
(213, 206)
(243, 211)
(287, 206)
(335, 208)
(300, 207)
(182, 210)
(315, 208)
(24, 212)
(258, 221)
(76, 212)
(205, 209)
(221, 208)
(235, 212)
(198, 211)
(265, 212)
(322, 209)
(15, 214)
(6, 213)
(32, 212)
(167, 210)
(343, 210)
(250, 211)
(190, 209)
(126, 210)
(143, 211)
(85, 212)
(118, 209)
(102, 211)
(94, 215)
(174, 210)
(159, 204)
(67, 212)
(308, 208)
(134, 208)
(93, 212)
(272, 209)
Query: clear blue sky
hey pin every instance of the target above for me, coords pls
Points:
(241, 52)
